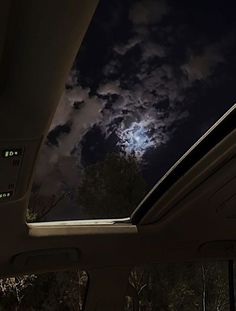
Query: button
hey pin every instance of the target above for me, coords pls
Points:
(11, 153)
(5, 195)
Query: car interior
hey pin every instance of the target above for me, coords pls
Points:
(189, 216)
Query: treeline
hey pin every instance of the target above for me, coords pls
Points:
(162, 287)
(180, 287)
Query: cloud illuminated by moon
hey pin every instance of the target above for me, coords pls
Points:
(136, 138)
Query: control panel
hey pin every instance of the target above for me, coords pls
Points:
(10, 164)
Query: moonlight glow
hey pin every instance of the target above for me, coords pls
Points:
(136, 139)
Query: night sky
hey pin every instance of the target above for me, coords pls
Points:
(149, 79)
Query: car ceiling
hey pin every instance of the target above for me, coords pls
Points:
(39, 41)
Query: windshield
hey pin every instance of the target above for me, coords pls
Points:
(150, 78)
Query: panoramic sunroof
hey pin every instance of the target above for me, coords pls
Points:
(149, 79)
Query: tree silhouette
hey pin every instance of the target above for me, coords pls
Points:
(112, 188)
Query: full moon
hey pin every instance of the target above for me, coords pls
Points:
(135, 139)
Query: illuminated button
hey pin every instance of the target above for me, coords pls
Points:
(6, 195)
(11, 153)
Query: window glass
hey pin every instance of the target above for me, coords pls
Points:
(193, 286)
(48, 291)
(185, 287)
(150, 78)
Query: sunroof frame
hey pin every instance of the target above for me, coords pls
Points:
(224, 126)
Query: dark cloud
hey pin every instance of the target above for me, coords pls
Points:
(148, 12)
(56, 133)
(201, 66)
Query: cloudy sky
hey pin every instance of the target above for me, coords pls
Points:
(149, 79)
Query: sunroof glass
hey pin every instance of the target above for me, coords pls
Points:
(149, 79)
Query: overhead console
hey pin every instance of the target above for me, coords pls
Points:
(16, 165)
